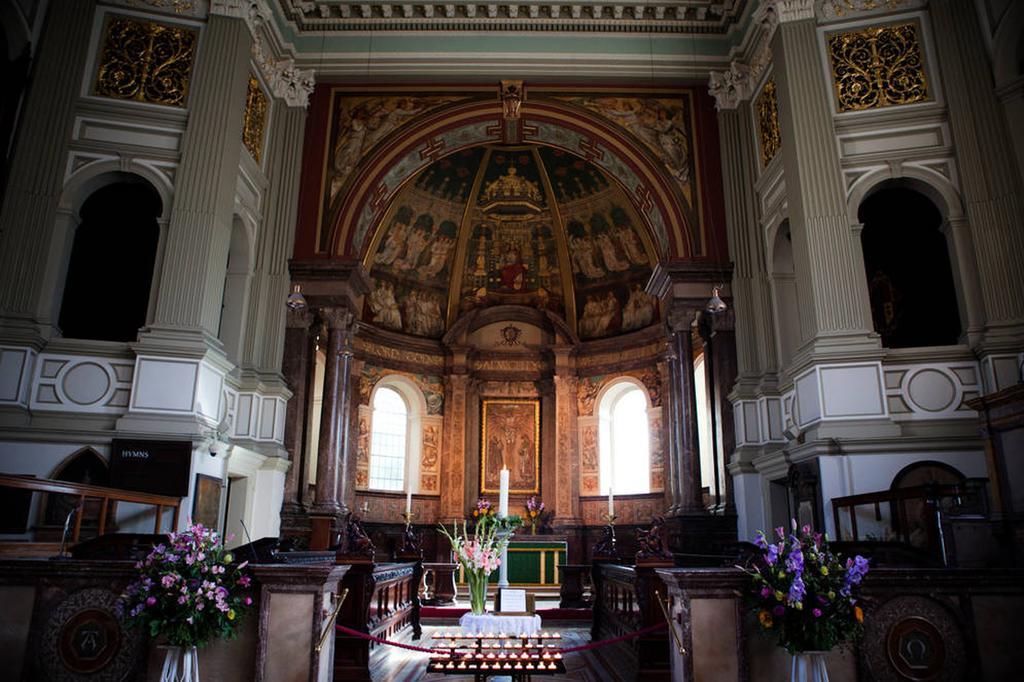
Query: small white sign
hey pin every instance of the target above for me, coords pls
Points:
(513, 601)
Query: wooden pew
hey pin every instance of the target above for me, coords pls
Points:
(382, 601)
(626, 600)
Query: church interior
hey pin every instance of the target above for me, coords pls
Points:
(591, 340)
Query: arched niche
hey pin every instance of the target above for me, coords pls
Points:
(563, 126)
(784, 294)
(237, 280)
(909, 272)
(110, 254)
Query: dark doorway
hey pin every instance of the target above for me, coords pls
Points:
(906, 261)
(106, 295)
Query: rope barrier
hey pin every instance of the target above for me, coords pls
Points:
(582, 647)
(616, 640)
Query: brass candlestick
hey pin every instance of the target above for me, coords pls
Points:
(408, 516)
(610, 518)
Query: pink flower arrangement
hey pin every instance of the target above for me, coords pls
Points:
(479, 554)
(189, 590)
(534, 507)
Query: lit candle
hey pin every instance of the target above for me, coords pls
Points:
(611, 502)
(408, 503)
(503, 494)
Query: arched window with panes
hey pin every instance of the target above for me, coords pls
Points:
(389, 440)
(396, 422)
(624, 439)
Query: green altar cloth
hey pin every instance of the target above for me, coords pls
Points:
(532, 561)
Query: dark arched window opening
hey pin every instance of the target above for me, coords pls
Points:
(906, 261)
(106, 295)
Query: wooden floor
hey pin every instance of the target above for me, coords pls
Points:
(401, 665)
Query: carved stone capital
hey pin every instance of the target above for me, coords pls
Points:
(731, 87)
(336, 318)
(299, 319)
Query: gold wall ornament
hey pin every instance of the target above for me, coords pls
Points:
(877, 67)
(146, 61)
(255, 119)
(768, 134)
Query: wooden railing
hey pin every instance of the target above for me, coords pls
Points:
(106, 496)
(626, 600)
(382, 601)
(924, 527)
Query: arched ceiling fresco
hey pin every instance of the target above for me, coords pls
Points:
(511, 224)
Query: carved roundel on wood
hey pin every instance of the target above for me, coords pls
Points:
(83, 640)
(913, 638)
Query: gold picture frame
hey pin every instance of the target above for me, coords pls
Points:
(510, 436)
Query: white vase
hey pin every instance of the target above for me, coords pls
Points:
(181, 664)
(809, 666)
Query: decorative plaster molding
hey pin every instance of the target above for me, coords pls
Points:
(596, 16)
(829, 10)
(731, 87)
(786, 11)
(284, 79)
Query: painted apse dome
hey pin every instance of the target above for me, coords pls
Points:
(511, 225)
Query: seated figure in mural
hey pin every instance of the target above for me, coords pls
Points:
(639, 309)
(610, 254)
(582, 252)
(439, 250)
(627, 238)
(513, 270)
(423, 314)
(395, 241)
(384, 306)
(601, 315)
(416, 243)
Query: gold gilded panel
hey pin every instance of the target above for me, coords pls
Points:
(146, 62)
(255, 119)
(877, 67)
(768, 135)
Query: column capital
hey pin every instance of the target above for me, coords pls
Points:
(775, 12)
(336, 317)
(299, 319)
(731, 87)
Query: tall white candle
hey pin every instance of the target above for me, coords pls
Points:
(611, 502)
(503, 494)
(408, 503)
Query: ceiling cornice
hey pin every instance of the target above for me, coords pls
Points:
(596, 16)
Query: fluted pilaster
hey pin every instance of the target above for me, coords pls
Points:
(989, 175)
(200, 229)
(264, 335)
(750, 294)
(35, 180)
(831, 291)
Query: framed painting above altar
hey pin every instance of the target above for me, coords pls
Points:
(510, 438)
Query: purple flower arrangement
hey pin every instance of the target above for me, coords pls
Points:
(804, 593)
(189, 590)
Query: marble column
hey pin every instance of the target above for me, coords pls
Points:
(295, 368)
(988, 173)
(30, 291)
(567, 456)
(332, 417)
(832, 293)
(687, 454)
(195, 256)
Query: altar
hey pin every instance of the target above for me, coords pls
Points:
(532, 561)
